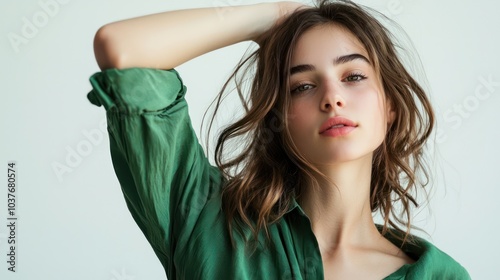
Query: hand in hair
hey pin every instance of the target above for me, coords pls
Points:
(285, 9)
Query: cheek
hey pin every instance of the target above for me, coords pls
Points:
(294, 121)
(296, 107)
(374, 110)
(299, 120)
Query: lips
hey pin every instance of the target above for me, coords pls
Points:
(337, 126)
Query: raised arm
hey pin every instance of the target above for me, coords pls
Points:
(166, 40)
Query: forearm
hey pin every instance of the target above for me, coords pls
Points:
(168, 39)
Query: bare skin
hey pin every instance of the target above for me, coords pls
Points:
(166, 40)
(350, 244)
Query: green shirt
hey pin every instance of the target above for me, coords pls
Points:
(173, 193)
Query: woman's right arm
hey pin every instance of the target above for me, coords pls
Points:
(163, 171)
(166, 40)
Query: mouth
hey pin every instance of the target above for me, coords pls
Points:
(337, 126)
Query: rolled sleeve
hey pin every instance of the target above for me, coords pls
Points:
(136, 90)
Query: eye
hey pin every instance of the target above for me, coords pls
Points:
(354, 77)
(301, 88)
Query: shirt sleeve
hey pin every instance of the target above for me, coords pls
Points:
(164, 174)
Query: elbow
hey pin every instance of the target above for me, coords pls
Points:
(106, 52)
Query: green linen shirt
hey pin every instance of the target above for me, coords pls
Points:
(173, 193)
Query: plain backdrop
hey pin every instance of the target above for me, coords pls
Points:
(72, 219)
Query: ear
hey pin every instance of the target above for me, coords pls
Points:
(390, 115)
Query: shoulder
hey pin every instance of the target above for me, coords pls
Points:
(431, 262)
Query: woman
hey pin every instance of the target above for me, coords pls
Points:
(332, 133)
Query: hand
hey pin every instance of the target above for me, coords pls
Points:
(284, 10)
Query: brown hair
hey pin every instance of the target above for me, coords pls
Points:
(268, 171)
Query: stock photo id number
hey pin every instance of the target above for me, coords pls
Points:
(12, 216)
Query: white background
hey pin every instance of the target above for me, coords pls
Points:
(75, 225)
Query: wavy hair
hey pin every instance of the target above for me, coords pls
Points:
(268, 171)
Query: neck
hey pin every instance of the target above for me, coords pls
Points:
(339, 209)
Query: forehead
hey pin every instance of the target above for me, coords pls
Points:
(330, 40)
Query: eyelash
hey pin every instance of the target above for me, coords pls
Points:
(296, 88)
(356, 74)
(359, 77)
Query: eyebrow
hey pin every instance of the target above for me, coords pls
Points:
(339, 60)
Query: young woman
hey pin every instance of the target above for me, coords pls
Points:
(334, 130)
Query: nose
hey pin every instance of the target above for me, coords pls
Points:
(332, 99)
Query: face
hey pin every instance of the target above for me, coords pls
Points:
(338, 111)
